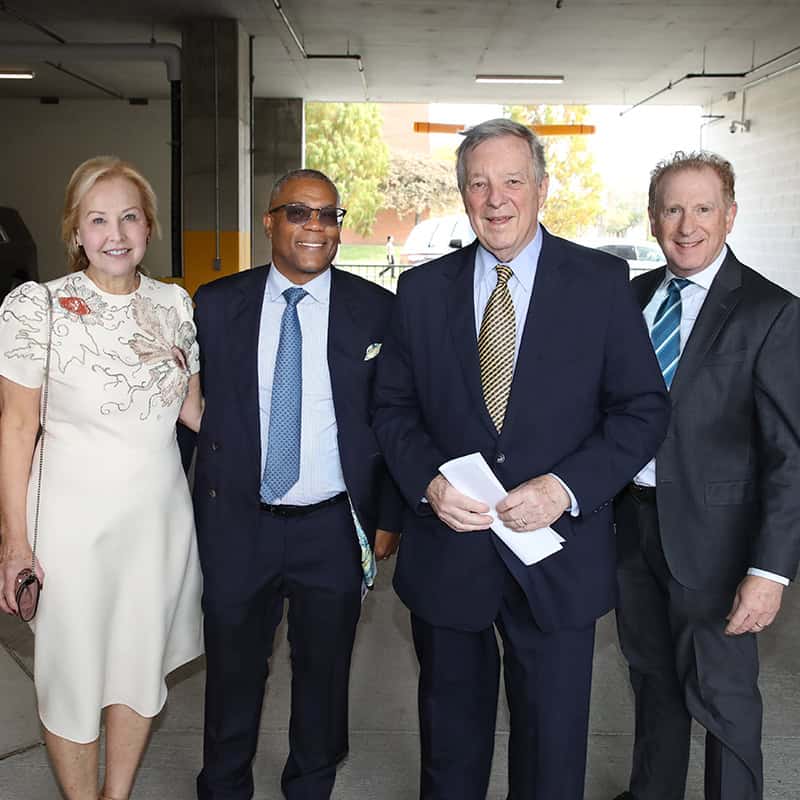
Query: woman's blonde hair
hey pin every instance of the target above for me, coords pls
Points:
(81, 183)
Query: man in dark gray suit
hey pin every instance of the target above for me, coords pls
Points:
(709, 532)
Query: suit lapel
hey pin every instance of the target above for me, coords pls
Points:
(343, 336)
(461, 322)
(723, 296)
(541, 321)
(645, 286)
(244, 320)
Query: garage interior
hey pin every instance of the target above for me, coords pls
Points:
(106, 76)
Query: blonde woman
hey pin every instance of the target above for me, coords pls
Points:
(120, 600)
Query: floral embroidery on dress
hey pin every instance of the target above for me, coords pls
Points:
(82, 302)
(142, 345)
(165, 346)
(74, 304)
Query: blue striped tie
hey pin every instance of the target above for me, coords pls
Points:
(282, 467)
(666, 332)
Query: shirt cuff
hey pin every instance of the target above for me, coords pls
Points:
(760, 573)
(574, 508)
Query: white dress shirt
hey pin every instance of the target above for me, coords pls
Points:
(520, 286)
(320, 466)
(692, 298)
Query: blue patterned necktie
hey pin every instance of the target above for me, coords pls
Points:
(666, 332)
(282, 468)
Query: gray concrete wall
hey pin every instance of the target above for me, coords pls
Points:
(42, 145)
(232, 99)
(279, 146)
(766, 234)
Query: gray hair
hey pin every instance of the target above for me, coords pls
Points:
(297, 174)
(491, 129)
(700, 159)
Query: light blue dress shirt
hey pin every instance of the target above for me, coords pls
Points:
(320, 465)
(692, 298)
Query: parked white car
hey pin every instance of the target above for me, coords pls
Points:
(641, 256)
(436, 237)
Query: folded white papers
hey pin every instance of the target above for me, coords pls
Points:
(472, 476)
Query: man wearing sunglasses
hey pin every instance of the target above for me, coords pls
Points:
(292, 498)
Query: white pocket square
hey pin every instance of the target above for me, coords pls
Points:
(372, 350)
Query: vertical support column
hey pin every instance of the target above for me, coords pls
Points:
(216, 150)
(279, 147)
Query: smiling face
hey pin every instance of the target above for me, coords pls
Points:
(112, 229)
(301, 252)
(501, 195)
(691, 219)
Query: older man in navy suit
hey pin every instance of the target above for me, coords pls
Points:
(290, 488)
(530, 350)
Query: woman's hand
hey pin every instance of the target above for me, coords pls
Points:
(13, 559)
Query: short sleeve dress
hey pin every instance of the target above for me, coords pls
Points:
(120, 606)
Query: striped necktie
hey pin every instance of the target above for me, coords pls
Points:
(496, 344)
(666, 332)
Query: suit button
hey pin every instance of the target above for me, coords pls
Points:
(212, 493)
(500, 458)
(214, 447)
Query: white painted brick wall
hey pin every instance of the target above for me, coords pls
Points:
(766, 235)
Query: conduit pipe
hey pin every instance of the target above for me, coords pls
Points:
(330, 56)
(170, 54)
(704, 74)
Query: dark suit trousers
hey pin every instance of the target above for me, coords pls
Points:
(547, 679)
(314, 562)
(683, 667)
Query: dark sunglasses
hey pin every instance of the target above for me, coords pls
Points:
(300, 213)
(27, 594)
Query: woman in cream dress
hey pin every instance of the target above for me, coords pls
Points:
(120, 603)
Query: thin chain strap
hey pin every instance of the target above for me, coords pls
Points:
(42, 423)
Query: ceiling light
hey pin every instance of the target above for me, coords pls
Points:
(16, 74)
(519, 79)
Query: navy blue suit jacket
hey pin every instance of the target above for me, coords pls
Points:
(587, 403)
(228, 466)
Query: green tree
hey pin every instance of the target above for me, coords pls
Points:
(574, 201)
(624, 211)
(416, 182)
(345, 141)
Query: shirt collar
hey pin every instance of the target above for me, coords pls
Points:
(705, 277)
(318, 288)
(523, 266)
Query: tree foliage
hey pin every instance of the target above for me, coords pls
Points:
(416, 182)
(345, 141)
(624, 212)
(574, 201)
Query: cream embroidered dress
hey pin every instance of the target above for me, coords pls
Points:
(120, 606)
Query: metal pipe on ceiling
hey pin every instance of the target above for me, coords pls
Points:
(737, 75)
(169, 54)
(330, 56)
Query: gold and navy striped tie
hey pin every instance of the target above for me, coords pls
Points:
(496, 344)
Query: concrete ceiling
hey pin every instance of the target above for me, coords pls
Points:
(610, 51)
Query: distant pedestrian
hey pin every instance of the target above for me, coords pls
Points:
(390, 259)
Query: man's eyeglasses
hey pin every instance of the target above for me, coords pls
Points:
(300, 214)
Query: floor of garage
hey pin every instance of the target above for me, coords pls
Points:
(384, 761)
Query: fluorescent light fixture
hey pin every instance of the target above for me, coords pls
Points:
(16, 74)
(553, 79)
